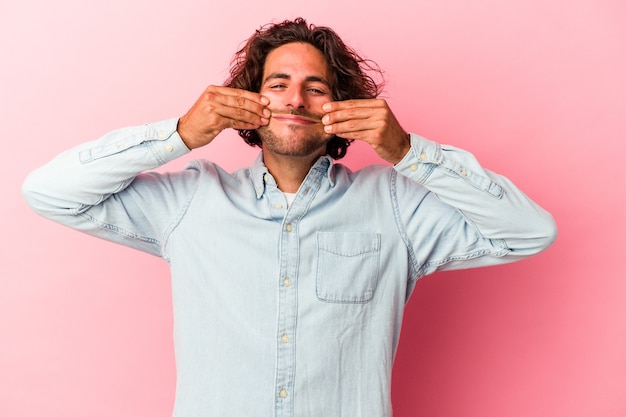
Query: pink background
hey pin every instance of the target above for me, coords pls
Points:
(535, 88)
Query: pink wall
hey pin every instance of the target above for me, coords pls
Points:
(535, 88)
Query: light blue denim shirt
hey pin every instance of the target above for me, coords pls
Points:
(289, 311)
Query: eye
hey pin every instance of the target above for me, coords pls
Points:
(317, 91)
(277, 86)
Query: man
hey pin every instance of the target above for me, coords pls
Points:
(290, 277)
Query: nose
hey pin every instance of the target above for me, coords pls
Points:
(295, 98)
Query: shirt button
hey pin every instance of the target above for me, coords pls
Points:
(423, 156)
(413, 167)
(278, 205)
(282, 393)
(169, 148)
(286, 282)
(161, 135)
(284, 339)
(121, 146)
(464, 172)
(288, 227)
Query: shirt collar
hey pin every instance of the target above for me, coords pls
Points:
(260, 174)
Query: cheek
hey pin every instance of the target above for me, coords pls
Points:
(272, 96)
(317, 106)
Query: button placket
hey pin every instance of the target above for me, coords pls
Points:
(287, 314)
(288, 294)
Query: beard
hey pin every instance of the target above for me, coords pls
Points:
(295, 140)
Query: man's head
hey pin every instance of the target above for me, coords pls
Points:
(348, 78)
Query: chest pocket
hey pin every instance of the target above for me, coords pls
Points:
(347, 266)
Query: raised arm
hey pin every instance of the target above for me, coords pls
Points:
(499, 223)
(101, 187)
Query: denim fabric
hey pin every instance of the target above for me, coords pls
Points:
(289, 311)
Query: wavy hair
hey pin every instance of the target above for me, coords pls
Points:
(350, 78)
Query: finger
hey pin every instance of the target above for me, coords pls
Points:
(361, 135)
(353, 127)
(250, 119)
(241, 95)
(239, 125)
(352, 104)
(241, 105)
(354, 113)
(355, 119)
(341, 111)
(235, 103)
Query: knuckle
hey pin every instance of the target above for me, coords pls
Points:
(210, 109)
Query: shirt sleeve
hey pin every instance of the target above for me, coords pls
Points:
(100, 187)
(483, 218)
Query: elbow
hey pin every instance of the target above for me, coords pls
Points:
(29, 191)
(536, 235)
(540, 235)
(548, 233)
(34, 191)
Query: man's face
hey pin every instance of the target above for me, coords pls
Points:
(296, 79)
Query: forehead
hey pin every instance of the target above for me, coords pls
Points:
(297, 59)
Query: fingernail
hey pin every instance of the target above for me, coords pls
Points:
(264, 120)
(325, 119)
(326, 107)
(267, 113)
(328, 128)
(265, 100)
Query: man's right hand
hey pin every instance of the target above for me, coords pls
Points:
(219, 108)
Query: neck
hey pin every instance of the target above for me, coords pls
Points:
(289, 171)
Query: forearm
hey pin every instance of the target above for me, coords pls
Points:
(494, 205)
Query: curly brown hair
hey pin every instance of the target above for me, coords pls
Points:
(350, 79)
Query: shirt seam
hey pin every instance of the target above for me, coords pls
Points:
(181, 214)
(119, 230)
(414, 274)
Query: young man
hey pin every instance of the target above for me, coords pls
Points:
(290, 277)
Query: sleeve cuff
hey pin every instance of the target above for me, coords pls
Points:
(165, 142)
(420, 159)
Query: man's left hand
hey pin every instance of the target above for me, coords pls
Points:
(369, 120)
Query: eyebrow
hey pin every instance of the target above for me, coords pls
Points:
(283, 76)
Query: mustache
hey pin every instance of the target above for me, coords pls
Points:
(299, 112)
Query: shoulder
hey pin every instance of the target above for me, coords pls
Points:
(381, 177)
(209, 174)
(367, 173)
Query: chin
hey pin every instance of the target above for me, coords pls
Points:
(294, 142)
